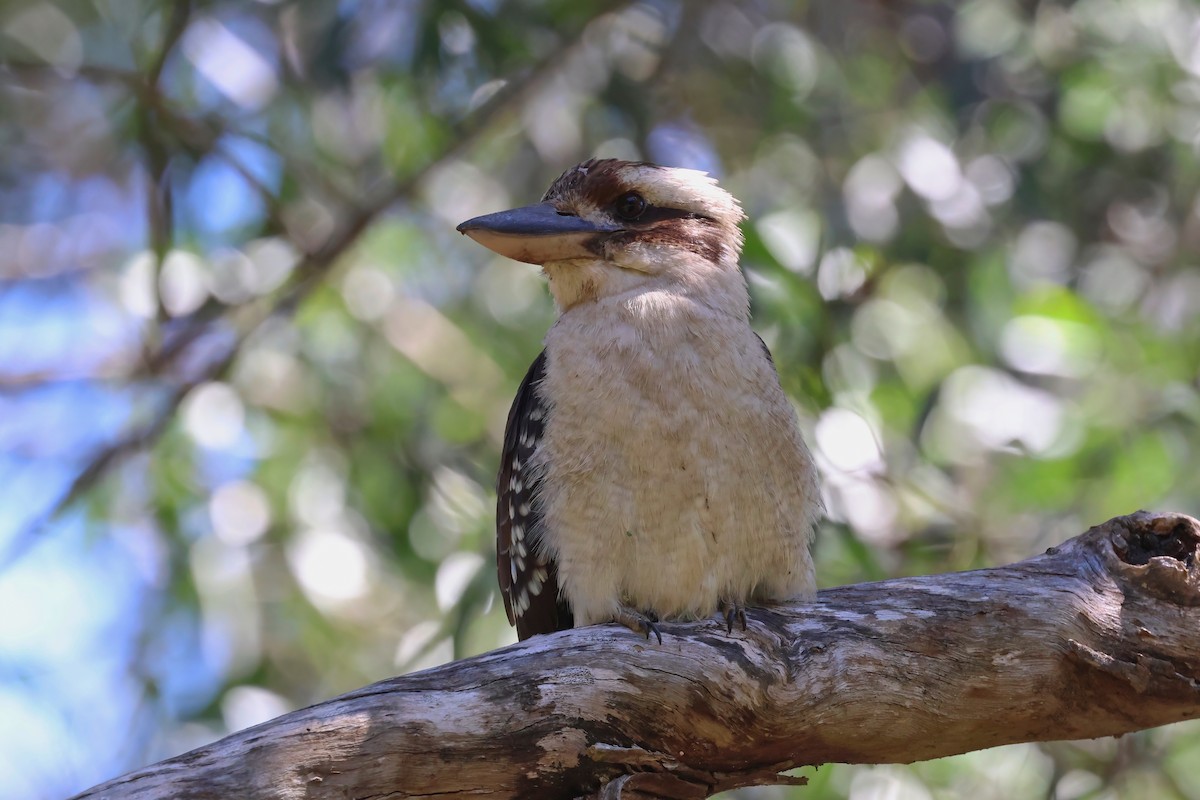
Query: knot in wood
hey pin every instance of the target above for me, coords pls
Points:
(1159, 554)
(1148, 536)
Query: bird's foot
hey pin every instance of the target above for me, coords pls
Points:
(732, 610)
(639, 621)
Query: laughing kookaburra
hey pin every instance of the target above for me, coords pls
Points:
(652, 465)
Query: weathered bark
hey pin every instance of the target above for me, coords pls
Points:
(1096, 637)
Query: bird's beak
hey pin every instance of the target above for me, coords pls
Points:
(537, 234)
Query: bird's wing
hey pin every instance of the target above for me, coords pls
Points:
(528, 577)
(767, 350)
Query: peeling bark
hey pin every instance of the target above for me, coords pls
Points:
(1099, 636)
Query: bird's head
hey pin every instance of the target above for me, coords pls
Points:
(609, 227)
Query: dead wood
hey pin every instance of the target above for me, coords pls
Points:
(1099, 636)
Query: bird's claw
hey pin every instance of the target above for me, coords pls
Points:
(642, 622)
(732, 610)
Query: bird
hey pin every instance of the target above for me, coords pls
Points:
(652, 468)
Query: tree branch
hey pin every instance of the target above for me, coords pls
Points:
(1097, 637)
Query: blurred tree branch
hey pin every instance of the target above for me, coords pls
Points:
(1096, 637)
(307, 275)
(160, 207)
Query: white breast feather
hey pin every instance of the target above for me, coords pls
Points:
(675, 473)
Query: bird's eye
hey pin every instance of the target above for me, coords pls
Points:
(630, 206)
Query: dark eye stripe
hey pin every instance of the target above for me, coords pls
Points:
(654, 214)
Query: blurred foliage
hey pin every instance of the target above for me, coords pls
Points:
(244, 351)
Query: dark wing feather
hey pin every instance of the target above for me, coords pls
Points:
(767, 351)
(528, 579)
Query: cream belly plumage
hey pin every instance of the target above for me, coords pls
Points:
(680, 477)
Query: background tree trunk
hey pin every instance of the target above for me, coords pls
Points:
(1097, 637)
